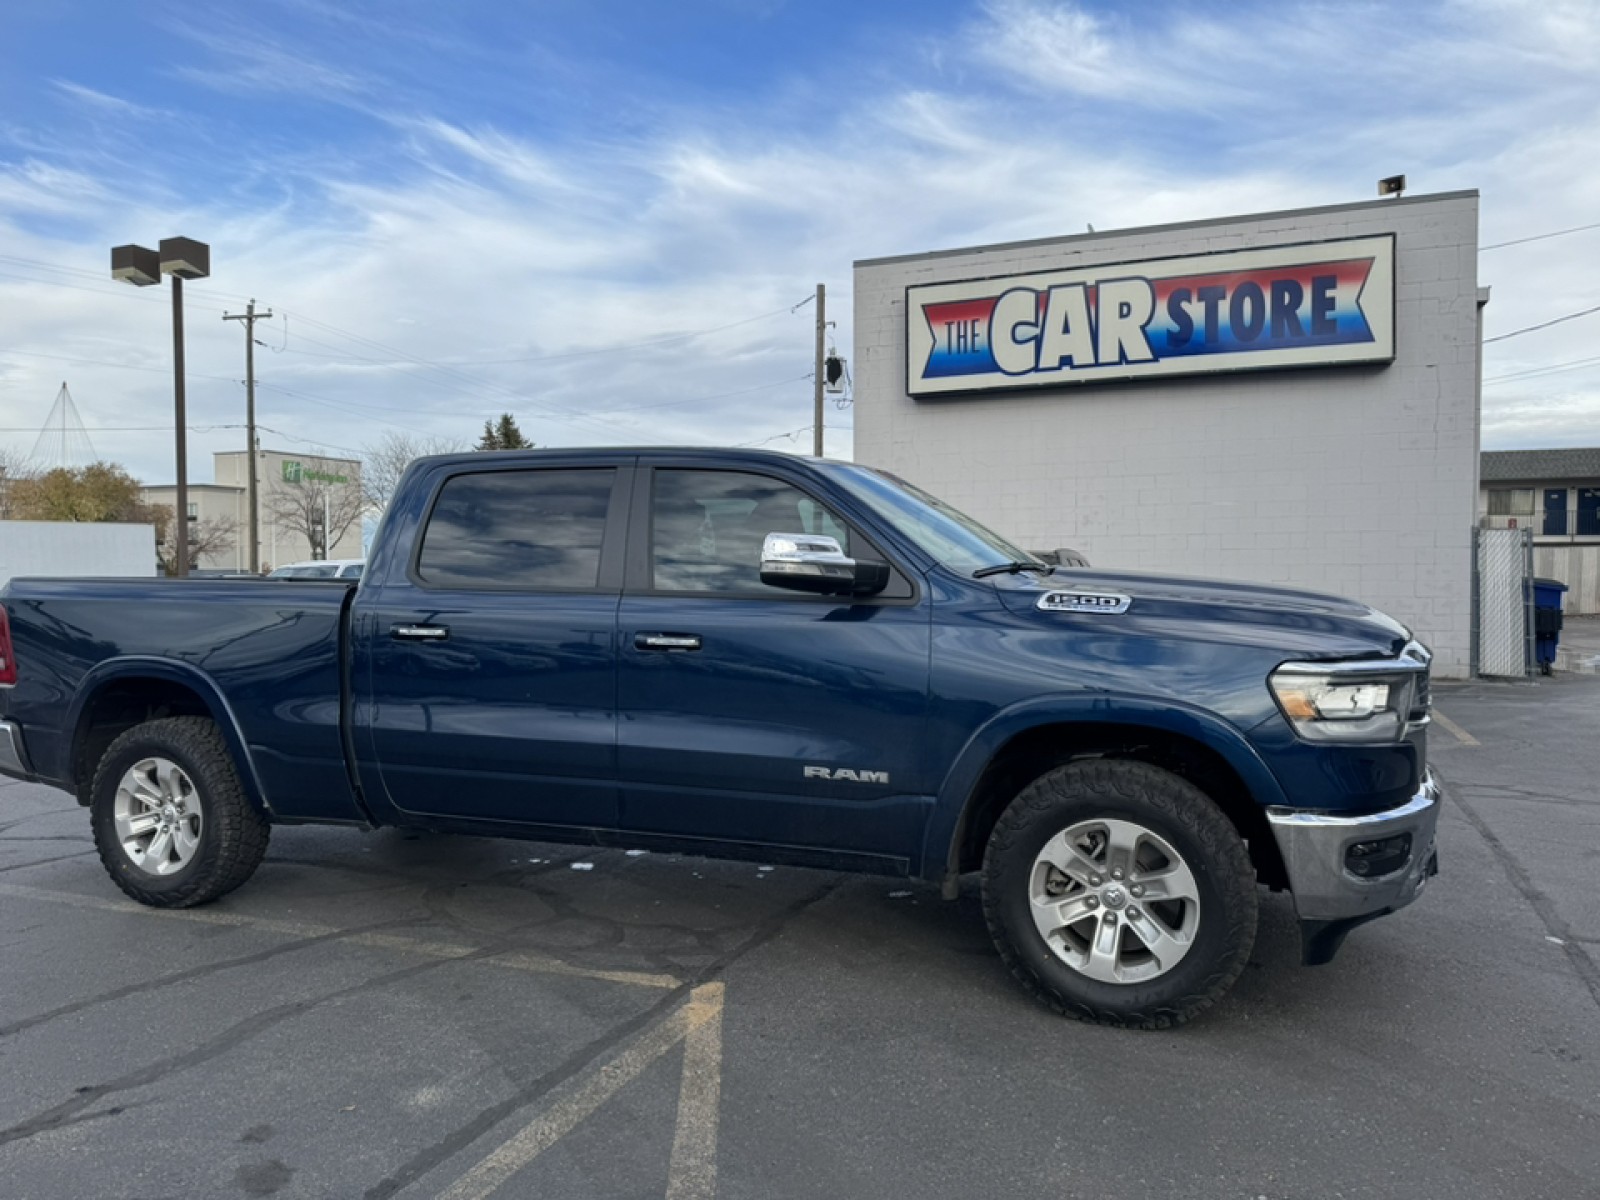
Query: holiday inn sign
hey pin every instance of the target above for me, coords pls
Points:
(295, 472)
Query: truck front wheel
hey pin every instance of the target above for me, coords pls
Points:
(1119, 893)
(172, 823)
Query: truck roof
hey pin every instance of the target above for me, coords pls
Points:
(730, 453)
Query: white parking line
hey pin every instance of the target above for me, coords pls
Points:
(582, 1095)
(1455, 731)
(517, 960)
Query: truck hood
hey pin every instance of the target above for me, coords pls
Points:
(1298, 622)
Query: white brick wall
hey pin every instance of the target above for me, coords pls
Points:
(1356, 480)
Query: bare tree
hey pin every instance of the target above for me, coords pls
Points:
(319, 503)
(384, 463)
(210, 537)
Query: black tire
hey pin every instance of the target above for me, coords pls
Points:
(232, 837)
(1176, 812)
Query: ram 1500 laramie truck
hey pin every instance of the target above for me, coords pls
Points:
(761, 656)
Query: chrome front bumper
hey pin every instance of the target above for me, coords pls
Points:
(1315, 847)
(13, 757)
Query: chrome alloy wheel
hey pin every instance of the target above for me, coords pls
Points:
(157, 816)
(1114, 901)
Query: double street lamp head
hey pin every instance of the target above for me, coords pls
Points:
(137, 265)
(183, 258)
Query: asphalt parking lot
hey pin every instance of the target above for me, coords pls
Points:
(381, 1014)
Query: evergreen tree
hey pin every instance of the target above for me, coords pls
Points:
(503, 435)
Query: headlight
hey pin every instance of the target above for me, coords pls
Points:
(1343, 705)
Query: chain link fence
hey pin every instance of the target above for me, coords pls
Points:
(1502, 602)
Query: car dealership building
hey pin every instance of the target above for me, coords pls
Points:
(1290, 397)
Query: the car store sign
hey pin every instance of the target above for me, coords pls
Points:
(1235, 310)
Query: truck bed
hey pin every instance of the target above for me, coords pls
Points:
(263, 656)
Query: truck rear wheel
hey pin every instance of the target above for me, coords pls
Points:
(1118, 893)
(171, 820)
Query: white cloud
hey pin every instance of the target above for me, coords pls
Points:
(1059, 46)
(507, 252)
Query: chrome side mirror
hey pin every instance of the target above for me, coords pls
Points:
(810, 562)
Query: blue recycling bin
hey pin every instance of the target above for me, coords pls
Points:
(1547, 595)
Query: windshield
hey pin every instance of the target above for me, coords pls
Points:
(950, 536)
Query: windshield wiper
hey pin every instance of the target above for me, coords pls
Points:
(1012, 568)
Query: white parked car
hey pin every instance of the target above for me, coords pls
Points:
(332, 568)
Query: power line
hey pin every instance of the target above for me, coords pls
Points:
(1542, 325)
(760, 387)
(355, 408)
(792, 435)
(101, 362)
(506, 392)
(445, 368)
(1548, 369)
(125, 428)
(625, 348)
(441, 366)
(98, 277)
(1539, 237)
(77, 287)
(314, 442)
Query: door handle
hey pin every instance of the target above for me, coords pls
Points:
(666, 641)
(419, 633)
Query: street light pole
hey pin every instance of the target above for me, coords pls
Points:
(182, 258)
(182, 439)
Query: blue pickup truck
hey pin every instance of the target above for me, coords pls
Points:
(759, 656)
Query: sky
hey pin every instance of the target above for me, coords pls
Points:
(608, 217)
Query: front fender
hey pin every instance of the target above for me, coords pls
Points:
(942, 840)
(168, 670)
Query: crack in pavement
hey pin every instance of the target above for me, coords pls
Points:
(1588, 971)
(39, 862)
(66, 1114)
(200, 972)
(49, 812)
(1544, 797)
(431, 1157)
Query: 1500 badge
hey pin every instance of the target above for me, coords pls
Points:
(1085, 602)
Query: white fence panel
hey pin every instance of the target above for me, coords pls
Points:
(75, 548)
(1577, 566)
(1502, 596)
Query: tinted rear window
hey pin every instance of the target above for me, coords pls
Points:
(538, 529)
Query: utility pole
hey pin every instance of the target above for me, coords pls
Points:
(816, 390)
(250, 316)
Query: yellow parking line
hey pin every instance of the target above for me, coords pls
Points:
(518, 960)
(1455, 731)
(580, 1097)
(692, 1173)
